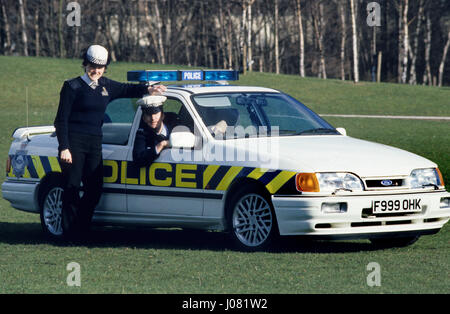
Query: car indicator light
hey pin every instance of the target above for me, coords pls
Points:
(441, 178)
(307, 182)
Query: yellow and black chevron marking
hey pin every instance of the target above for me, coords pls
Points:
(34, 166)
(208, 177)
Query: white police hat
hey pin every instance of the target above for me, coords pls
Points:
(97, 54)
(151, 104)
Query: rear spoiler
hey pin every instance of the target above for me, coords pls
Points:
(21, 133)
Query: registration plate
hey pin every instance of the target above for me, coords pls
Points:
(409, 205)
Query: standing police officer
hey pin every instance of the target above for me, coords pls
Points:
(78, 124)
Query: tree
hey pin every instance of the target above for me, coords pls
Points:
(343, 38)
(427, 72)
(277, 53)
(405, 41)
(7, 46)
(298, 13)
(283, 36)
(318, 21)
(355, 43)
(24, 28)
(444, 56)
(414, 49)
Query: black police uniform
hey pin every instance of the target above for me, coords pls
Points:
(144, 150)
(78, 126)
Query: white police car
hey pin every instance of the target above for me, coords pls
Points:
(250, 160)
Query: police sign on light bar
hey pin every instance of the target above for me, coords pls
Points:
(191, 75)
(184, 75)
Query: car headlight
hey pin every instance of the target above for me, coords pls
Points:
(328, 182)
(420, 178)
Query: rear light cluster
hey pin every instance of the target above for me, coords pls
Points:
(8, 165)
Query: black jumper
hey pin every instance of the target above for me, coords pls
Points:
(78, 126)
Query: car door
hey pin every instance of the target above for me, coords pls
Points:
(117, 125)
(169, 186)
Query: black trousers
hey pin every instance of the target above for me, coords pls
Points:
(86, 167)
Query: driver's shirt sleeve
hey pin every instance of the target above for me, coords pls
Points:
(144, 153)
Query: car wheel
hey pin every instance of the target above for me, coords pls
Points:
(50, 208)
(394, 242)
(251, 220)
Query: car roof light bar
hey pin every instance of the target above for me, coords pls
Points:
(144, 76)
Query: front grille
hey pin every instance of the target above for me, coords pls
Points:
(385, 183)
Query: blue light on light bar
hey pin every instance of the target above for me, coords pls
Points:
(185, 75)
(225, 75)
(147, 76)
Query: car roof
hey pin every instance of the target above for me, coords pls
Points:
(217, 88)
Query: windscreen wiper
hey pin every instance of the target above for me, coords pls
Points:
(317, 131)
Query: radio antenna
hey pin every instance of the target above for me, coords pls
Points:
(26, 102)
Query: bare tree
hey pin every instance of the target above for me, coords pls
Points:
(414, 48)
(343, 37)
(298, 13)
(277, 53)
(249, 35)
(242, 41)
(427, 73)
(355, 43)
(162, 58)
(283, 36)
(405, 41)
(444, 56)
(318, 29)
(36, 31)
(62, 53)
(8, 47)
(24, 28)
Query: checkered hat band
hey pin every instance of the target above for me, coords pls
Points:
(96, 61)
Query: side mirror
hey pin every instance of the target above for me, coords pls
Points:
(181, 137)
(342, 131)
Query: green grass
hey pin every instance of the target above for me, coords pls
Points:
(131, 260)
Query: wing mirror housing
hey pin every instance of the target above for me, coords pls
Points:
(182, 137)
(342, 131)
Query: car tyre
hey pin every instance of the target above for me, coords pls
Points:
(50, 205)
(251, 220)
(394, 242)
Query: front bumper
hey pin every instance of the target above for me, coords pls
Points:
(21, 194)
(302, 215)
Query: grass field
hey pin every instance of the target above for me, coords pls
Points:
(131, 260)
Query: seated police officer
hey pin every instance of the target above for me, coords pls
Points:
(154, 131)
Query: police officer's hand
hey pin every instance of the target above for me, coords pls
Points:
(161, 145)
(66, 156)
(156, 90)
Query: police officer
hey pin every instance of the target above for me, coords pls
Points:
(154, 131)
(78, 123)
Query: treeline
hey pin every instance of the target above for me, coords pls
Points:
(403, 41)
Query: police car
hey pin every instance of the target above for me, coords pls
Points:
(251, 161)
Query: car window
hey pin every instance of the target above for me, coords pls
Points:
(118, 121)
(268, 114)
(175, 113)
